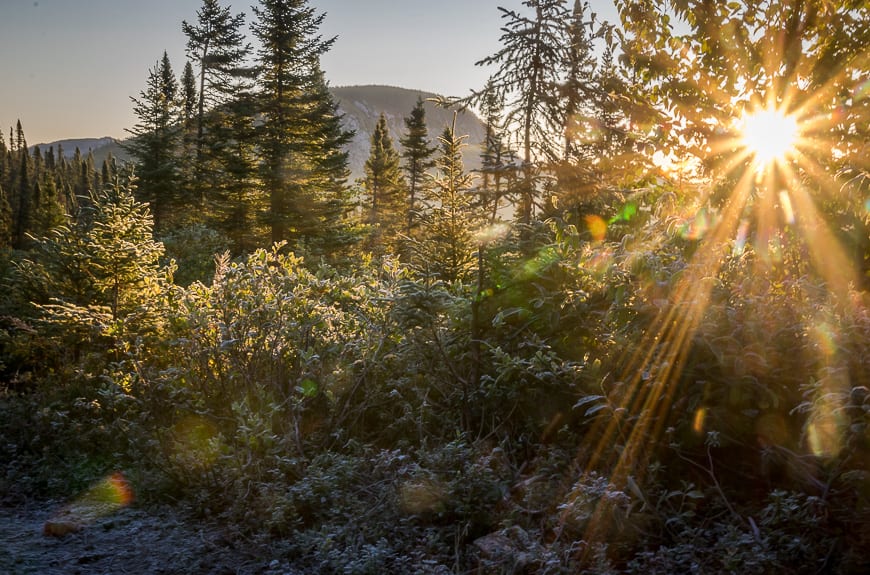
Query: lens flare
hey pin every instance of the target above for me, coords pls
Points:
(104, 498)
(597, 227)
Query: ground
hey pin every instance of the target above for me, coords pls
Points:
(56, 538)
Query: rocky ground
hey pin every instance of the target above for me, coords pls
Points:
(56, 538)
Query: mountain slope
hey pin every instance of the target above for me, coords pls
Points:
(361, 106)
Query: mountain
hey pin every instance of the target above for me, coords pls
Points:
(100, 147)
(361, 106)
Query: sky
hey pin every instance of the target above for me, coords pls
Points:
(70, 67)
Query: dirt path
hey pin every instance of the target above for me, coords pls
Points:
(121, 540)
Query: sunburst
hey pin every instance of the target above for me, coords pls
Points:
(769, 135)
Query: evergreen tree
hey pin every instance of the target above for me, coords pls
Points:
(21, 141)
(578, 85)
(5, 219)
(329, 172)
(417, 155)
(187, 155)
(447, 246)
(217, 46)
(497, 159)
(5, 206)
(22, 200)
(527, 79)
(189, 97)
(596, 142)
(296, 113)
(101, 272)
(154, 145)
(234, 203)
(384, 189)
(48, 209)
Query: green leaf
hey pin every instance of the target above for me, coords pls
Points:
(308, 388)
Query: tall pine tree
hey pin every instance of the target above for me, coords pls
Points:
(529, 67)
(300, 138)
(217, 47)
(154, 145)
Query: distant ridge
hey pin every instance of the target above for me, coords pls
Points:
(361, 106)
(100, 147)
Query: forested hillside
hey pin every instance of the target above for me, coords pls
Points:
(619, 326)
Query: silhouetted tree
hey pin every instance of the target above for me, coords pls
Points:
(154, 145)
(417, 155)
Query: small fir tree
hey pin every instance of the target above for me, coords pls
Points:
(447, 247)
(384, 190)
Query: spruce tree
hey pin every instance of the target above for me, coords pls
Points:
(447, 247)
(384, 190)
(154, 145)
(5, 219)
(100, 274)
(417, 155)
(22, 200)
(5, 206)
(296, 112)
(189, 102)
(329, 172)
(217, 46)
(233, 201)
(497, 159)
(527, 77)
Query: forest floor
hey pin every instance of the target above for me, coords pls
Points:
(55, 538)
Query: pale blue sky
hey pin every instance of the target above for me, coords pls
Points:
(69, 67)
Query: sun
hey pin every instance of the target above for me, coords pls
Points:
(769, 135)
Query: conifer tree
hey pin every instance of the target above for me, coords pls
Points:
(233, 201)
(5, 207)
(154, 144)
(384, 189)
(21, 141)
(5, 220)
(297, 113)
(527, 77)
(447, 246)
(101, 272)
(497, 159)
(189, 102)
(48, 209)
(217, 46)
(417, 155)
(581, 69)
(329, 172)
(22, 200)
(189, 97)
